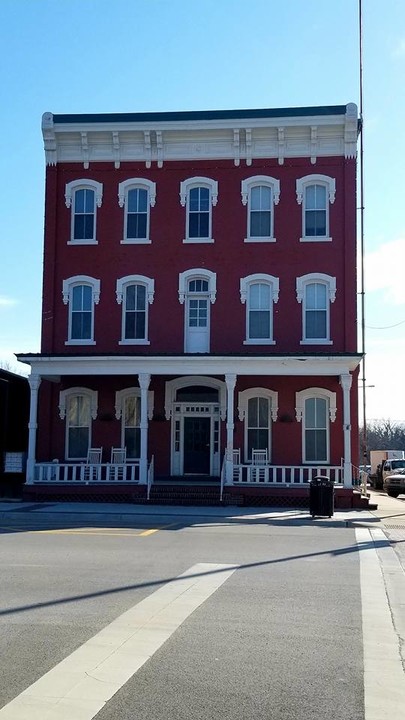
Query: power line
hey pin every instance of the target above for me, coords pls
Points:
(384, 327)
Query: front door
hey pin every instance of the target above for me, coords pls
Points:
(197, 445)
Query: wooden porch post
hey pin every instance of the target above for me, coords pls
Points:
(144, 380)
(230, 380)
(346, 383)
(34, 383)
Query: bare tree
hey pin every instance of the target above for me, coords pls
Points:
(385, 435)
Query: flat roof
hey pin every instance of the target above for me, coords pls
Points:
(190, 115)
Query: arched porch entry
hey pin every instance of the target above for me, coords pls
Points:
(195, 405)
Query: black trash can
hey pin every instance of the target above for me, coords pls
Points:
(321, 496)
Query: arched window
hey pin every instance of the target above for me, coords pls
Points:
(315, 193)
(79, 407)
(315, 292)
(257, 407)
(81, 293)
(316, 408)
(259, 292)
(198, 194)
(135, 293)
(137, 196)
(128, 410)
(260, 193)
(84, 197)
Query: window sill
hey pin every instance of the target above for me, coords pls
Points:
(259, 342)
(80, 342)
(134, 342)
(315, 239)
(193, 241)
(82, 242)
(316, 462)
(260, 240)
(136, 241)
(318, 341)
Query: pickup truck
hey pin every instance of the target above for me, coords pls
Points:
(394, 482)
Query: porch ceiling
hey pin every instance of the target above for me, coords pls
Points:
(53, 367)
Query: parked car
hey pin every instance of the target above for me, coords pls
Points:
(394, 484)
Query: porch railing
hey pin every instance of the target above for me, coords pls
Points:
(86, 474)
(283, 474)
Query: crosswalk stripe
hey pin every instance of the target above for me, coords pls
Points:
(80, 685)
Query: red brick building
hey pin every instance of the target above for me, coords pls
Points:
(199, 301)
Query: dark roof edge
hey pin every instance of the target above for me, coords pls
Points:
(190, 115)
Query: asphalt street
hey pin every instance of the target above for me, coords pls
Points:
(284, 634)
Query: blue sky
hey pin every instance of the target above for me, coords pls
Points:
(139, 55)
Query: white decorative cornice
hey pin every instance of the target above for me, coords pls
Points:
(302, 183)
(197, 273)
(267, 180)
(83, 183)
(327, 280)
(351, 131)
(256, 278)
(143, 183)
(98, 139)
(190, 183)
(132, 280)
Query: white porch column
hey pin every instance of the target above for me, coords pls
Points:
(230, 380)
(144, 380)
(346, 383)
(34, 383)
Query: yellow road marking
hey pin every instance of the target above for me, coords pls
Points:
(88, 531)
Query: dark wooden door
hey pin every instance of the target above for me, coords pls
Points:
(197, 445)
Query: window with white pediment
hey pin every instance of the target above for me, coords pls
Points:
(315, 193)
(316, 409)
(198, 195)
(135, 293)
(259, 292)
(316, 291)
(83, 197)
(81, 293)
(136, 196)
(260, 193)
(78, 407)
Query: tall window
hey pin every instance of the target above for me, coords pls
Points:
(137, 196)
(316, 430)
(83, 196)
(260, 193)
(197, 289)
(199, 194)
(315, 193)
(258, 425)
(316, 291)
(78, 406)
(81, 293)
(135, 293)
(259, 291)
(257, 408)
(131, 431)
(316, 408)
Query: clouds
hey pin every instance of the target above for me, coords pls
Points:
(7, 301)
(384, 270)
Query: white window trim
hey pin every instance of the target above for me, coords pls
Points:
(149, 283)
(330, 283)
(70, 189)
(301, 185)
(197, 274)
(185, 187)
(123, 189)
(243, 399)
(67, 287)
(244, 290)
(122, 395)
(300, 398)
(246, 188)
(64, 395)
